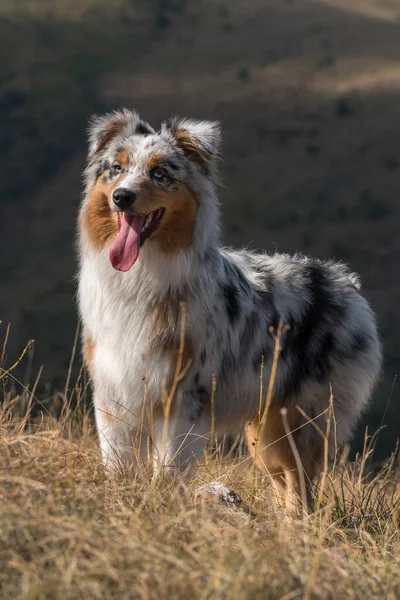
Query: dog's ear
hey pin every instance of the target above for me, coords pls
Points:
(103, 129)
(199, 140)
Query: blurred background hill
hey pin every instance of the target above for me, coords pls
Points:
(308, 93)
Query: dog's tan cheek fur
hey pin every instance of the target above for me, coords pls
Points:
(99, 221)
(177, 227)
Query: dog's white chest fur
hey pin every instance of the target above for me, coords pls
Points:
(115, 318)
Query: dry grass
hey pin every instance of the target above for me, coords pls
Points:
(69, 531)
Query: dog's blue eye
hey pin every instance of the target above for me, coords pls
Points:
(117, 168)
(159, 175)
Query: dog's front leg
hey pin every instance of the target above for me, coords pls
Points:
(180, 441)
(121, 438)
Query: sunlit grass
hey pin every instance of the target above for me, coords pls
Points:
(68, 530)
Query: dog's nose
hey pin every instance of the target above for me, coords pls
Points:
(123, 198)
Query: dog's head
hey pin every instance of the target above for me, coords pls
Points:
(143, 184)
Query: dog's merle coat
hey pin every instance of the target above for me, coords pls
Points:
(234, 302)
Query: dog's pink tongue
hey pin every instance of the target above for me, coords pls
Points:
(125, 249)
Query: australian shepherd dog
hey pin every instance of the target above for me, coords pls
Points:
(176, 325)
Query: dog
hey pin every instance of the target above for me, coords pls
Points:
(176, 326)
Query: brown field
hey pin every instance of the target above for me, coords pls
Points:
(70, 530)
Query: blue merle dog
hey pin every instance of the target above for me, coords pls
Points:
(151, 262)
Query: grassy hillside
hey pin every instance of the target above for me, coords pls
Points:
(68, 531)
(307, 92)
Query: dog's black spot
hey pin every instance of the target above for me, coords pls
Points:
(234, 275)
(310, 343)
(322, 356)
(143, 128)
(203, 356)
(264, 298)
(242, 281)
(172, 165)
(201, 399)
(226, 265)
(197, 378)
(218, 341)
(268, 327)
(228, 365)
(274, 320)
(360, 342)
(231, 299)
(99, 171)
(358, 345)
(102, 167)
(251, 325)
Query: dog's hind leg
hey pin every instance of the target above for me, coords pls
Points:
(274, 455)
